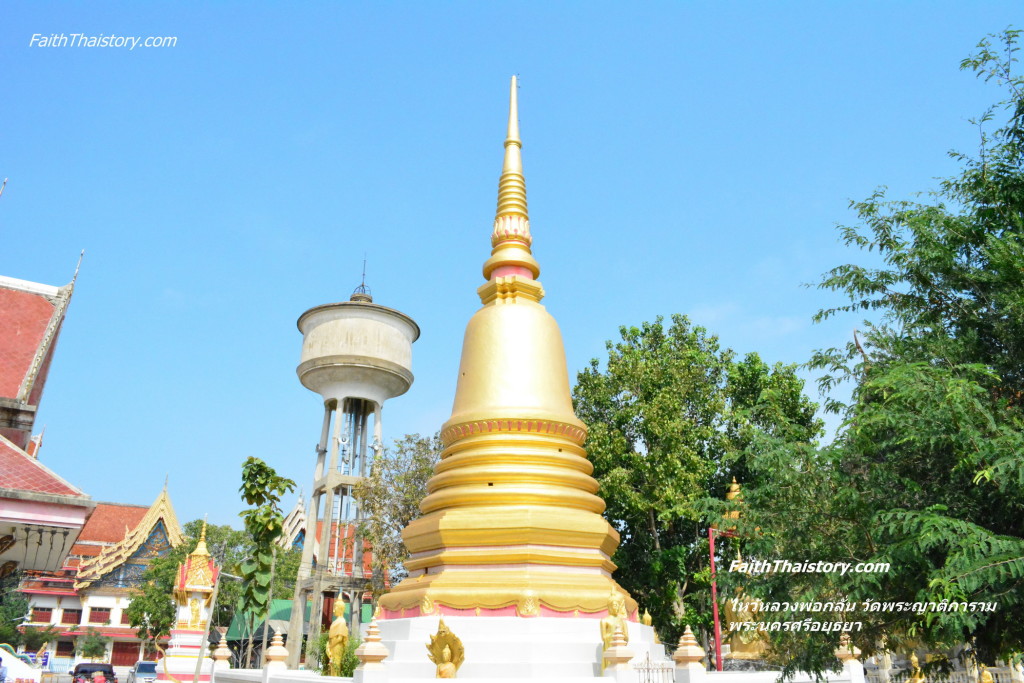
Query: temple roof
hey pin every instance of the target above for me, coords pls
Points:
(111, 557)
(30, 315)
(21, 472)
(109, 523)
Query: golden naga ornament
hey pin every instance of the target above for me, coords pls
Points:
(446, 651)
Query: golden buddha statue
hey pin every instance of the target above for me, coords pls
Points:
(744, 644)
(616, 619)
(337, 639)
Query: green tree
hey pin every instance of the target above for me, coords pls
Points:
(33, 637)
(262, 488)
(13, 609)
(286, 570)
(926, 472)
(669, 417)
(390, 499)
(152, 611)
(93, 645)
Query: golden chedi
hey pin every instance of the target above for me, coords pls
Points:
(512, 524)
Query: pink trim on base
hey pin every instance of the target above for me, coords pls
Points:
(505, 271)
(509, 611)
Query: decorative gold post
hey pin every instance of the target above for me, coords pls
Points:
(372, 653)
(687, 657)
(276, 654)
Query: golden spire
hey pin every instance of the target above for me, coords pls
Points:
(511, 237)
(201, 549)
(512, 184)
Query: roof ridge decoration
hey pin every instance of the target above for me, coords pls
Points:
(93, 569)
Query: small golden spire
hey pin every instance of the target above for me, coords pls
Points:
(734, 490)
(201, 545)
(511, 237)
(512, 185)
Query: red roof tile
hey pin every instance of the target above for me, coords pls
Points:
(109, 523)
(21, 472)
(24, 317)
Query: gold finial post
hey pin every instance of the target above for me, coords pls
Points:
(512, 185)
(511, 237)
(513, 162)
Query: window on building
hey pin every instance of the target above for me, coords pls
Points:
(99, 615)
(124, 617)
(42, 615)
(71, 616)
(65, 648)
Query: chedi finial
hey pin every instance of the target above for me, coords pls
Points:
(511, 237)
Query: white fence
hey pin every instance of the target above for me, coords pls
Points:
(999, 675)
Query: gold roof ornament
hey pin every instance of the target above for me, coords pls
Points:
(512, 518)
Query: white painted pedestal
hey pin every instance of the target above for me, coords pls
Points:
(564, 649)
(180, 659)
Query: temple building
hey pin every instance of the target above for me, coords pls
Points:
(41, 513)
(93, 588)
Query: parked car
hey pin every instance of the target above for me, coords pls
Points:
(84, 671)
(142, 672)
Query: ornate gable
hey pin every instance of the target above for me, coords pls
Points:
(122, 564)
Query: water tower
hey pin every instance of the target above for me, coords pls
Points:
(356, 354)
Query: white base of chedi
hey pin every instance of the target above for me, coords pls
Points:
(538, 648)
(179, 660)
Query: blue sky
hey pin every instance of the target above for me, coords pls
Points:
(680, 157)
